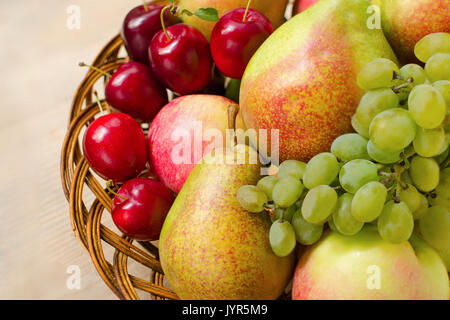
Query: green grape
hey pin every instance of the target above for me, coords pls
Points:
(440, 200)
(342, 216)
(432, 44)
(331, 224)
(368, 201)
(278, 213)
(356, 173)
(445, 256)
(287, 191)
(305, 232)
(282, 238)
(251, 198)
(299, 203)
(392, 130)
(396, 222)
(435, 226)
(382, 156)
(446, 144)
(440, 158)
(428, 142)
(427, 106)
(284, 214)
(292, 168)
(422, 209)
(411, 197)
(319, 204)
(362, 131)
(443, 86)
(443, 188)
(377, 74)
(424, 173)
(415, 72)
(406, 178)
(266, 184)
(374, 102)
(321, 169)
(350, 146)
(438, 67)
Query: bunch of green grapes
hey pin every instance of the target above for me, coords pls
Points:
(393, 172)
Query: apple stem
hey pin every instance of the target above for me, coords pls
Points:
(246, 10)
(98, 102)
(145, 5)
(162, 21)
(109, 186)
(82, 64)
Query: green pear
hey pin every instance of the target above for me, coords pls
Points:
(302, 80)
(212, 249)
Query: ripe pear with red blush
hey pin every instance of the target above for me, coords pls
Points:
(114, 145)
(405, 22)
(210, 247)
(134, 90)
(302, 80)
(366, 267)
(140, 208)
(181, 60)
(139, 27)
(236, 37)
(302, 5)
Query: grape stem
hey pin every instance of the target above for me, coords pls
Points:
(401, 86)
(385, 174)
(397, 174)
(270, 210)
(385, 182)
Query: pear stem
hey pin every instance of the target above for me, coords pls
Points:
(246, 10)
(109, 185)
(233, 110)
(106, 74)
(162, 22)
(145, 5)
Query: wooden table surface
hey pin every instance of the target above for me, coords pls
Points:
(40, 73)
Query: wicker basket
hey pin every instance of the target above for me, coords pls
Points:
(86, 217)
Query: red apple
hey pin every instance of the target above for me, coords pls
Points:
(177, 135)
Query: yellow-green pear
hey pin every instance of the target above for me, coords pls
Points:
(210, 247)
